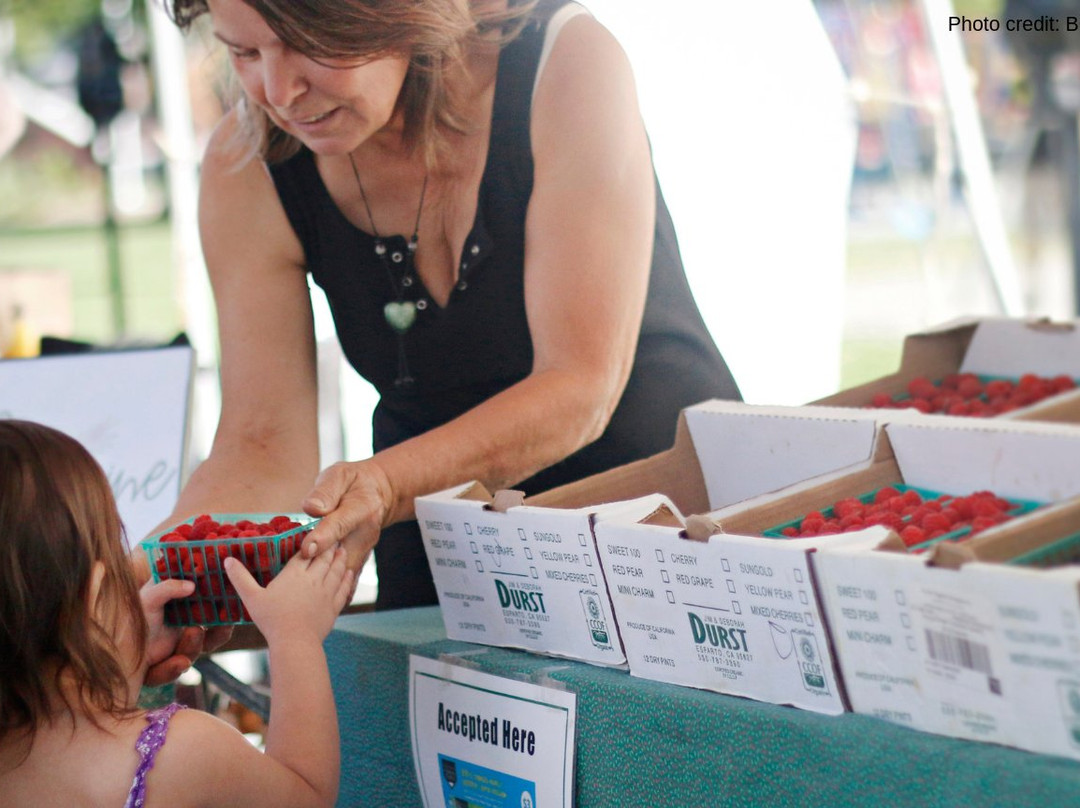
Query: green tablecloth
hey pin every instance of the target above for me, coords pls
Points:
(643, 742)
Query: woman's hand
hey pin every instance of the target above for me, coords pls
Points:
(305, 597)
(354, 501)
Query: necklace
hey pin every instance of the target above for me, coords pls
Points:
(399, 313)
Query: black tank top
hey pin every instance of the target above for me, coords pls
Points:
(479, 343)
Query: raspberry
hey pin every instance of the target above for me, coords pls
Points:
(791, 531)
(1059, 384)
(881, 401)
(981, 523)
(985, 507)
(852, 521)
(848, 507)
(885, 493)
(970, 387)
(936, 521)
(952, 515)
(922, 387)
(895, 504)
(965, 507)
(886, 518)
(913, 534)
(998, 388)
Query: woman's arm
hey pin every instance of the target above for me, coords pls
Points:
(265, 450)
(588, 245)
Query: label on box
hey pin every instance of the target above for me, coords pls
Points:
(1038, 617)
(915, 646)
(734, 615)
(527, 578)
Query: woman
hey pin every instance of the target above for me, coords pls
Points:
(471, 185)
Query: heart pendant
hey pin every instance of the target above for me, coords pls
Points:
(400, 315)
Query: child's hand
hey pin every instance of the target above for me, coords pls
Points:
(167, 651)
(305, 597)
(171, 650)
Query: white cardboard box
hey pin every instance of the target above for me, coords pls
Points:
(560, 603)
(734, 614)
(983, 651)
(525, 577)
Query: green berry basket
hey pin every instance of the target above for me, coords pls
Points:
(1051, 383)
(778, 530)
(1056, 554)
(196, 549)
(1017, 508)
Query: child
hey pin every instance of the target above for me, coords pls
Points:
(77, 636)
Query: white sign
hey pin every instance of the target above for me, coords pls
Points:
(484, 741)
(128, 408)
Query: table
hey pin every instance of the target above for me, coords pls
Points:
(647, 742)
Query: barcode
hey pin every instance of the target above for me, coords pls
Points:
(958, 651)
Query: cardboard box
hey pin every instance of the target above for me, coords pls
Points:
(730, 613)
(522, 576)
(950, 641)
(997, 347)
(560, 605)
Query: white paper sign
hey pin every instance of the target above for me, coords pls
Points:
(128, 408)
(484, 741)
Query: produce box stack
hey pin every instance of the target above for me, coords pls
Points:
(528, 573)
(940, 635)
(738, 593)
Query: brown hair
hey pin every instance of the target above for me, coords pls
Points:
(57, 517)
(433, 33)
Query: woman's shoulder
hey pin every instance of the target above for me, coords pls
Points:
(579, 50)
(229, 158)
(585, 80)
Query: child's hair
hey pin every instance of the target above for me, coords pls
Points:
(57, 517)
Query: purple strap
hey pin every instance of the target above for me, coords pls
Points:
(150, 741)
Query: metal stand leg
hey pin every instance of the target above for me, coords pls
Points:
(253, 697)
